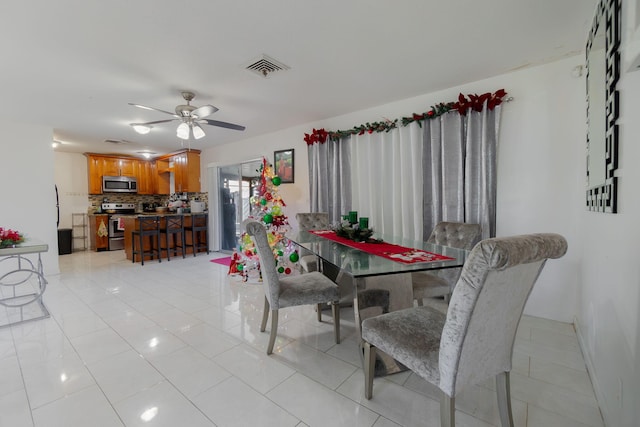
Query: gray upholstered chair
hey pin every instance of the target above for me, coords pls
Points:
(311, 221)
(441, 282)
(289, 291)
(474, 340)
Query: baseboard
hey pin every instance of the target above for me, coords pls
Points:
(602, 404)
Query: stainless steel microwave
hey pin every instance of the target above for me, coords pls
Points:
(119, 184)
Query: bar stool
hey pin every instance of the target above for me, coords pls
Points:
(147, 226)
(199, 227)
(174, 226)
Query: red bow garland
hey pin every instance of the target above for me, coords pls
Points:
(471, 101)
(317, 135)
(476, 102)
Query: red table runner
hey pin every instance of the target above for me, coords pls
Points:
(385, 250)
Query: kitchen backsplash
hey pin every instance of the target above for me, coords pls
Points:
(96, 200)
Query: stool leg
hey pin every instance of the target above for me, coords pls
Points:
(158, 250)
(182, 240)
(168, 250)
(141, 249)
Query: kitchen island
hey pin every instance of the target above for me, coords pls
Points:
(131, 223)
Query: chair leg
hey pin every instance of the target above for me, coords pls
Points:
(319, 311)
(447, 411)
(369, 369)
(335, 311)
(274, 331)
(265, 315)
(503, 387)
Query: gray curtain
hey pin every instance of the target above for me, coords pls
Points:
(330, 177)
(459, 170)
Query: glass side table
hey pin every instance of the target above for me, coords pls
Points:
(22, 283)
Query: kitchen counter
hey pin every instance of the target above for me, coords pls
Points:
(160, 214)
(135, 215)
(131, 223)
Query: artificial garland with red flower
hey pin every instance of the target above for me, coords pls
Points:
(10, 238)
(462, 105)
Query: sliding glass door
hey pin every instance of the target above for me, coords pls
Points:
(236, 184)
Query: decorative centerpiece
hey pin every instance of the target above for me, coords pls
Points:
(355, 229)
(9, 238)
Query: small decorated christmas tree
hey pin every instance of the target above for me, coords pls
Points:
(267, 208)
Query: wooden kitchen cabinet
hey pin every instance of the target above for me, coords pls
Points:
(185, 167)
(98, 232)
(154, 176)
(94, 171)
(119, 166)
(187, 172)
(99, 165)
(147, 177)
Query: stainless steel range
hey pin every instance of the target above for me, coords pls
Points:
(116, 231)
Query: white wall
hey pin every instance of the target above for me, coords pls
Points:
(608, 316)
(26, 186)
(541, 188)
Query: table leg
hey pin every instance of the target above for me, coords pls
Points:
(374, 296)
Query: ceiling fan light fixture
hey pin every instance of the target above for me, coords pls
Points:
(141, 129)
(146, 154)
(183, 131)
(198, 132)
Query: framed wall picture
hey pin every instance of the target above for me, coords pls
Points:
(283, 163)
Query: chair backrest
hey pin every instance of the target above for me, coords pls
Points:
(268, 270)
(174, 223)
(148, 224)
(456, 235)
(312, 220)
(487, 304)
(199, 220)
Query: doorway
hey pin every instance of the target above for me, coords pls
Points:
(236, 185)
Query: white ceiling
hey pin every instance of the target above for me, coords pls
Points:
(75, 65)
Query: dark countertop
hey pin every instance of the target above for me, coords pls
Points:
(135, 215)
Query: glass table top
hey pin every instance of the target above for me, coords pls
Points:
(361, 264)
(29, 246)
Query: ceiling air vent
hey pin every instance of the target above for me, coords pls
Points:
(116, 141)
(266, 65)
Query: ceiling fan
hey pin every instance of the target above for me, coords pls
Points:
(190, 117)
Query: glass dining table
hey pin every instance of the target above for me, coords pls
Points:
(378, 284)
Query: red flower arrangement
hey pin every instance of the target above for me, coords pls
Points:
(9, 238)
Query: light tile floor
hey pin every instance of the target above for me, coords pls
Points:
(178, 344)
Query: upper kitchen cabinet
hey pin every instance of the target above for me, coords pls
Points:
(120, 166)
(147, 177)
(187, 172)
(179, 172)
(94, 169)
(100, 165)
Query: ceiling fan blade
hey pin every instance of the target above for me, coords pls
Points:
(144, 107)
(155, 122)
(204, 111)
(223, 124)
